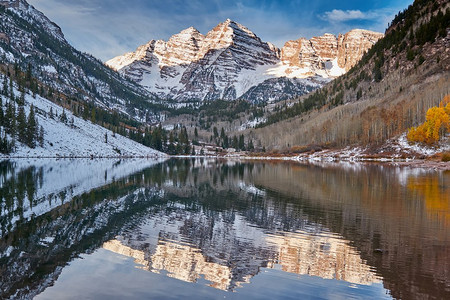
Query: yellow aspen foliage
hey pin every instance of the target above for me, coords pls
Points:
(445, 101)
(436, 125)
(417, 134)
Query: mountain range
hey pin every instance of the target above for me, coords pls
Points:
(29, 39)
(231, 62)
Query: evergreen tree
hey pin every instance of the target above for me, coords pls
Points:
(21, 101)
(22, 130)
(235, 143)
(5, 86)
(10, 119)
(171, 146)
(28, 75)
(251, 147)
(11, 89)
(2, 114)
(41, 137)
(63, 117)
(226, 142)
(32, 128)
(241, 145)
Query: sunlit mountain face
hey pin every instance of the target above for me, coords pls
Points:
(222, 228)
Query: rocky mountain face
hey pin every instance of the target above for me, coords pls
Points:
(29, 39)
(231, 62)
(387, 92)
(327, 55)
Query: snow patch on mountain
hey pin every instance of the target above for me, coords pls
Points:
(230, 60)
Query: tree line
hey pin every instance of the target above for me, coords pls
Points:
(15, 125)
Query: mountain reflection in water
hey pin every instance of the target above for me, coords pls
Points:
(225, 222)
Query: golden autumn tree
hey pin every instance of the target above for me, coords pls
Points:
(436, 125)
(445, 103)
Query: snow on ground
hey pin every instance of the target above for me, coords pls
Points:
(252, 124)
(83, 139)
(402, 144)
(62, 179)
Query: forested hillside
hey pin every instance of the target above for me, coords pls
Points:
(387, 92)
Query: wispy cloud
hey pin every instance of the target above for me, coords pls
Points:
(375, 19)
(337, 15)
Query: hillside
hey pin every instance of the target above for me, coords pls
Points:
(33, 42)
(231, 62)
(63, 133)
(387, 92)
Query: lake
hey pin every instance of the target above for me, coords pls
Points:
(210, 229)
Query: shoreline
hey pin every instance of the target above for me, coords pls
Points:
(425, 163)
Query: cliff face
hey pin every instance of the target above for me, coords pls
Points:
(328, 55)
(230, 60)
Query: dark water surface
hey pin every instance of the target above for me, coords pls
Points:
(209, 229)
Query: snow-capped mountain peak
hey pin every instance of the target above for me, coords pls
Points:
(230, 60)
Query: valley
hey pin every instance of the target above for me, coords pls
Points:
(228, 91)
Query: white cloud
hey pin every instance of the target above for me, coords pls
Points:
(337, 15)
(376, 20)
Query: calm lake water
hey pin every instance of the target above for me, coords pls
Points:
(215, 229)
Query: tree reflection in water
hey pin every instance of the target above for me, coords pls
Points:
(226, 221)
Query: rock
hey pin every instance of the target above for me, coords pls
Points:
(231, 62)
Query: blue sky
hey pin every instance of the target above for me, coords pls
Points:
(107, 28)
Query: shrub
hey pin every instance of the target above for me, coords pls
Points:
(446, 156)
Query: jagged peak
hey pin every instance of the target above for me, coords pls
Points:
(233, 25)
(191, 30)
(21, 7)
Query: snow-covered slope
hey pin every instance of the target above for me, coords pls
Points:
(230, 61)
(29, 38)
(82, 139)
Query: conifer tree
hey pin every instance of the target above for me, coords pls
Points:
(41, 137)
(235, 143)
(11, 89)
(32, 128)
(5, 86)
(2, 114)
(10, 119)
(241, 145)
(21, 100)
(22, 130)
(63, 117)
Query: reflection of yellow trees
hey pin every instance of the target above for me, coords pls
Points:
(436, 124)
(437, 199)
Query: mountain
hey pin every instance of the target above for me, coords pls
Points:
(231, 62)
(327, 55)
(65, 134)
(30, 40)
(387, 92)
